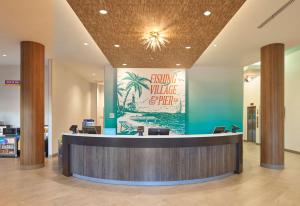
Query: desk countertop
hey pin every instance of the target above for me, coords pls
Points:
(152, 136)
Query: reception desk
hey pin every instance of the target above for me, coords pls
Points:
(152, 160)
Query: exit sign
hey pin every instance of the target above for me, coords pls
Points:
(12, 82)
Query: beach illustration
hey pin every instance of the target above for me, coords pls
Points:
(150, 99)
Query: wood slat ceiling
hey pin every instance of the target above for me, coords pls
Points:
(127, 21)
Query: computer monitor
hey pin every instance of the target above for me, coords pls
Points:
(158, 131)
(9, 131)
(89, 130)
(234, 128)
(153, 131)
(219, 130)
(164, 131)
(88, 123)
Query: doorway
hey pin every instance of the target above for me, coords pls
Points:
(251, 124)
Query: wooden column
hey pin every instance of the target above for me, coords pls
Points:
(32, 105)
(272, 106)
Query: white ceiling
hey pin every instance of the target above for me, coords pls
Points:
(53, 23)
(69, 36)
(240, 41)
(20, 21)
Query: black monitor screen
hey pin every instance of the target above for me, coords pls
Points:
(89, 130)
(219, 130)
(158, 131)
(234, 128)
(10, 131)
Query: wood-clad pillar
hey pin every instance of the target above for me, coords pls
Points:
(32, 105)
(272, 106)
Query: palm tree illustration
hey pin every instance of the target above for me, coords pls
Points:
(119, 93)
(135, 82)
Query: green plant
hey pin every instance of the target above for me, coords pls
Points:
(135, 82)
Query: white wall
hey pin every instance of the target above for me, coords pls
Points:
(252, 95)
(71, 100)
(93, 87)
(10, 96)
(100, 106)
(292, 101)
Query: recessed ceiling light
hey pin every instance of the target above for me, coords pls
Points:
(124, 64)
(93, 74)
(117, 45)
(188, 47)
(4, 55)
(207, 13)
(215, 45)
(103, 11)
(178, 64)
(85, 43)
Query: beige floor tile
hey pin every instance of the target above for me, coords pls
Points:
(256, 186)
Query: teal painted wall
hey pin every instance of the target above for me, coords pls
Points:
(214, 97)
(110, 97)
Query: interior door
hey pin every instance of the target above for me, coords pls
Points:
(251, 124)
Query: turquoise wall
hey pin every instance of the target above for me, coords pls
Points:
(110, 97)
(214, 97)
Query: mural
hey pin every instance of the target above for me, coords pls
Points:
(150, 98)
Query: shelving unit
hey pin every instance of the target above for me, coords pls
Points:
(9, 146)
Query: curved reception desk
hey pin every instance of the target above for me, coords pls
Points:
(152, 160)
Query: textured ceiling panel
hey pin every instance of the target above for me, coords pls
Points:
(127, 21)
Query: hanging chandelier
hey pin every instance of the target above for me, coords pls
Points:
(155, 40)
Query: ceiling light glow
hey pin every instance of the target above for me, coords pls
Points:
(155, 40)
(103, 11)
(188, 47)
(178, 64)
(207, 13)
(4, 55)
(85, 43)
(124, 64)
(117, 45)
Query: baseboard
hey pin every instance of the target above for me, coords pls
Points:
(292, 151)
(32, 167)
(245, 140)
(271, 166)
(286, 150)
(53, 155)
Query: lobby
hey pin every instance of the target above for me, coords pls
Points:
(149, 102)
